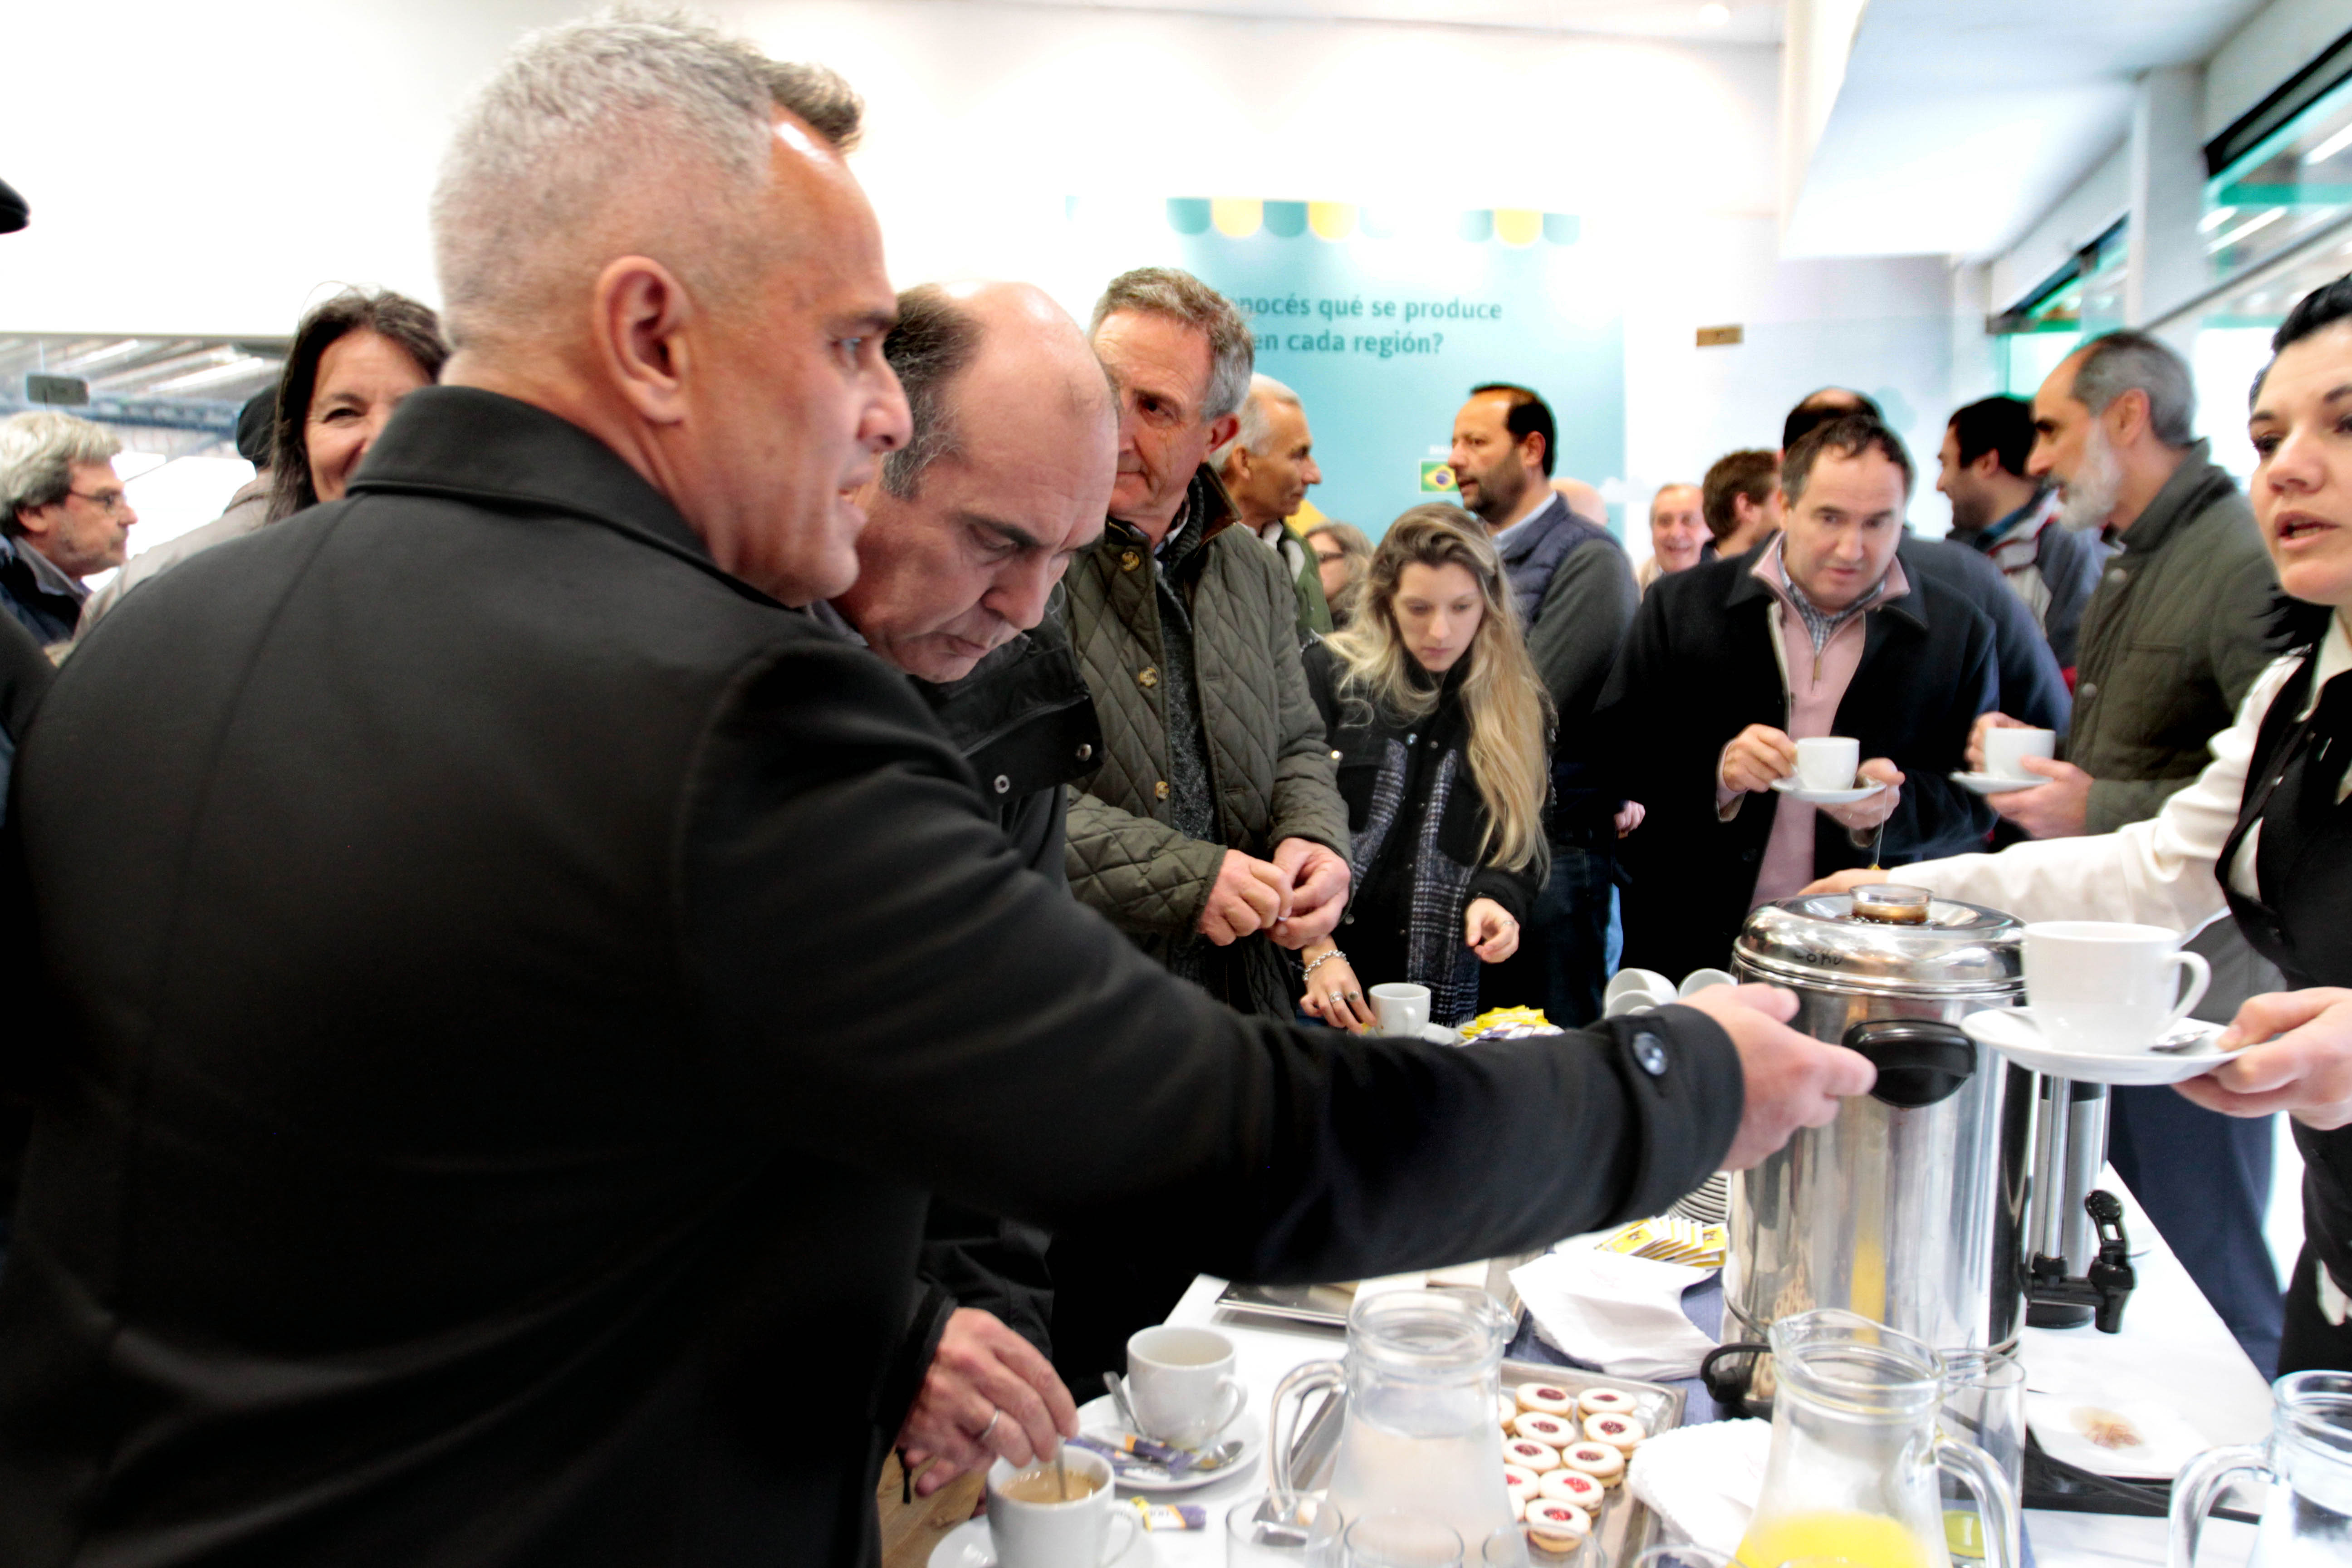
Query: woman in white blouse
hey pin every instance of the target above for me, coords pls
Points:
(2264, 834)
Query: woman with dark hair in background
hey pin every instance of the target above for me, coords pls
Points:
(354, 358)
(1437, 723)
(2266, 829)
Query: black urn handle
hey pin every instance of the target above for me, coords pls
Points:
(1919, 1061)
(1729, 1385)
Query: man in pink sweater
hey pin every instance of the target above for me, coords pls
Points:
(1730, 664)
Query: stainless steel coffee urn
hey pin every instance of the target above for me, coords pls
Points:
(1908, 1208)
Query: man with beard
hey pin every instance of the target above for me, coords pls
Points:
(2174, 636)
(1574, 588)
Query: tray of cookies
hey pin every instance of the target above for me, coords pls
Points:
(1568, 1436)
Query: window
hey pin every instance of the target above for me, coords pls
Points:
(2081, 299)
(2290, 185)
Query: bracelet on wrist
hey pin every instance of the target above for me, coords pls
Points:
(1319, 963)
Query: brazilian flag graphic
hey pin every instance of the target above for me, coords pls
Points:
(1436, 480)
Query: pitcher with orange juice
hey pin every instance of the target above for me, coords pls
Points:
(1851, 1473)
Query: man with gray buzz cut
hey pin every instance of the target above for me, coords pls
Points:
(1267, 468)
(508, 982)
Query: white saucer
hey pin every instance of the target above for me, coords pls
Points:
(1102, 1415)
(1791, 786)
(1993, 783)
(968, 1546)
(2013, 1032)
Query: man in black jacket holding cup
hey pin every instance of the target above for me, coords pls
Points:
(518, 982)
(1821, 633)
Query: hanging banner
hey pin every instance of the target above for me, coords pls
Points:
(1382, 321)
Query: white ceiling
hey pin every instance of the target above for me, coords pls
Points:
(1961, 122)
(1728, 21)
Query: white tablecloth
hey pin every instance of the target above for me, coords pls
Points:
(2172, 1346)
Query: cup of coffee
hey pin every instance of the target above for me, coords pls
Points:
(1035, 1522)
(2006, 749)
(2108, 988)
(1828, 761)
(1181, 1383)
(1402, 1009)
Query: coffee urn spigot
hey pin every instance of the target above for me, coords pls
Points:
(2107, 1285)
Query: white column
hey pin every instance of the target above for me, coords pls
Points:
(1976, 364)
(2167, 194)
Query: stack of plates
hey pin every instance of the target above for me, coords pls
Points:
(1710, 1205)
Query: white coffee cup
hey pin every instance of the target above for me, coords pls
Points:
(1828, 761)
(1698, 980)
(1630, 989)
(2005, 751)
(1402, 1009)
(1180, 1384)
(1074, 1534)
(2107, 988)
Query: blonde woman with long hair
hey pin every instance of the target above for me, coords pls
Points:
(1438, 726)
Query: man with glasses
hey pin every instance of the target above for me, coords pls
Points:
(64, 515)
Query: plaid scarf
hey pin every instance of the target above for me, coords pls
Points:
(1821, 623)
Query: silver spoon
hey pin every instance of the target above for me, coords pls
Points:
(1117, 1387)
(1061, 1473)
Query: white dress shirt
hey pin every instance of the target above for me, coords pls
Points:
(2159, 871)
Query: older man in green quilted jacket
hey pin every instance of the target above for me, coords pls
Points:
(1213, 835)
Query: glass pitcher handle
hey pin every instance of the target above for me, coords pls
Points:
(1996, 1504)
(2196, 1490)
(1289, 1399)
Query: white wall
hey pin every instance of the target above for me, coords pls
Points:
(320, 126)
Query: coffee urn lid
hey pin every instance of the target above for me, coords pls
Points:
(1820, 942)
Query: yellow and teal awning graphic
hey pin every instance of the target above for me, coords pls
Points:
(1239, 217)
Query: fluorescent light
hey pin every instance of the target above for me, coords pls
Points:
(2215, 219)
(233, 370)
(2333, 145)
(1714, 16)
(2247, 228)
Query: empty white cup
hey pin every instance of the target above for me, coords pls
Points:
(1636, 988)
(2106, 988)
(1401, 1009)
(1828, 761)
(2005, 751)
(1698, 980)
(1180, 1384)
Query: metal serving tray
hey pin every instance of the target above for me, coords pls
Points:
(1327, 1306)
(1626, 1527)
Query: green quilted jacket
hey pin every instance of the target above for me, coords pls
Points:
(1269, 764)
(2174, 634)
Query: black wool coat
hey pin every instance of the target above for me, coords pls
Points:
(513, 991)
(1699, 668)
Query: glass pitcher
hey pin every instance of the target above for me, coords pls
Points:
(1855, 1450)
(1417, 1429)
(2307, 1519)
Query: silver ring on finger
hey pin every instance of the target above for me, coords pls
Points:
(993, 1417)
